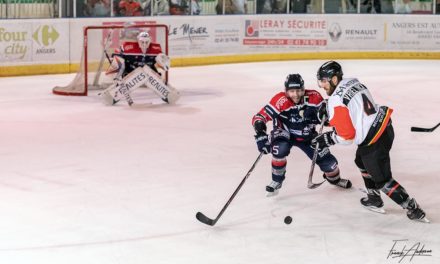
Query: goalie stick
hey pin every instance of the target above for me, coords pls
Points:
(206, 220)
(310, 184)
(421, 129)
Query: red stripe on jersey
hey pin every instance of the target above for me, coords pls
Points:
(393, 189)
(342, 122)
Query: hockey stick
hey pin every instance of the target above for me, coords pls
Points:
(310, 184)
(421, 129)
(206, 220)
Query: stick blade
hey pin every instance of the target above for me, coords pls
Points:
(204, 219)
(312, 185)
(420, 129)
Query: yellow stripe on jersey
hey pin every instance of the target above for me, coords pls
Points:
(382, 127)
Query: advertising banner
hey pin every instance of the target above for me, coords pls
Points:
(285, 33)
(50, 41)
(189, 37)
(46, 41)
(413, 33)
(34, 41)
(15, 42)
(368, 33)
(203, 35)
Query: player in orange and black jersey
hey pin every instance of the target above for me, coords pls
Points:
(355, 117)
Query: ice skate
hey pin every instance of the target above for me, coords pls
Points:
(373, 201)
(340, 182)
(415, 212)
(273, 188)
(344, 183)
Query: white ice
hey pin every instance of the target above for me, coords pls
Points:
(84, 183)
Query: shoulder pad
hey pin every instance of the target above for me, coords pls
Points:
(155, 47)
(280, 101)
(314, 96)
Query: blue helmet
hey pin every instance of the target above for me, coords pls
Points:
(294, 81)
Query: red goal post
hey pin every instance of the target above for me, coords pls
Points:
(98, 45)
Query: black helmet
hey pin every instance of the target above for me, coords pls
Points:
(329, 69)
(294, 81)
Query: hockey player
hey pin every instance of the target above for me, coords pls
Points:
(294, 116)
(139, 52)
(132, 55)
(356, 117)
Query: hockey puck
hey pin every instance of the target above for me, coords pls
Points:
(288, 220)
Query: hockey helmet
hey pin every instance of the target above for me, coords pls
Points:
(328, 70)
(294, 81)
(144, 41)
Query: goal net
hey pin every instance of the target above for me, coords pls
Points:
(99, 44)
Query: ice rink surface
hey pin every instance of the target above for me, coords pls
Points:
(83, 183)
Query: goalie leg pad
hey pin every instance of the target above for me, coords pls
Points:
(131, 82)
(108, 96)
(153, 81)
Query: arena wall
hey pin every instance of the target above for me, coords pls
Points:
(47, 46)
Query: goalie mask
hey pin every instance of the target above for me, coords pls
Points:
(144, 41)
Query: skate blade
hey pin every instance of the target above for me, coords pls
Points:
(271, 194)
(423, 220)
(375, 209)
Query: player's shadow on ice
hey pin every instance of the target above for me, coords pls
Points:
(148, 101)
(186, 95)
(162, 107)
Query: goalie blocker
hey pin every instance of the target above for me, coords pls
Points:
(138, 77)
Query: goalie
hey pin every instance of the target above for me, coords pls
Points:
(135, 63)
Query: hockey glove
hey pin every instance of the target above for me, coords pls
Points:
(163, 61)
(263, 142)
(260, 127)
(261, 137)
(322, 113)
(310, 115)
(324, 140)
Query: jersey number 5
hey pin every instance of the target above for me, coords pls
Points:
(368, 106)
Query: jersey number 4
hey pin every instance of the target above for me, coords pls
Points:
(368, 106)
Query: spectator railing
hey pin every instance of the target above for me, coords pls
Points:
(27, 9)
